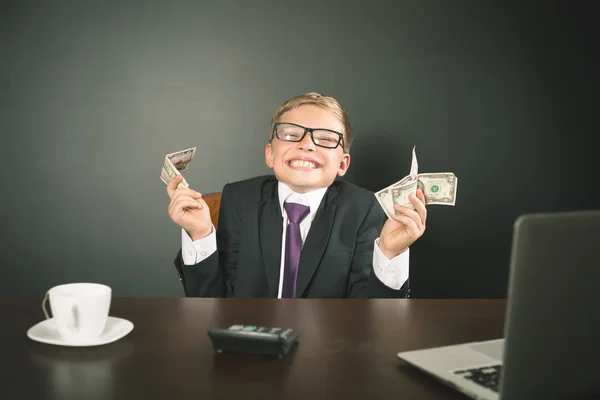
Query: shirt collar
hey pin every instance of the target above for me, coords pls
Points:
(312, 198)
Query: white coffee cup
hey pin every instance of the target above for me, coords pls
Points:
(79, 310)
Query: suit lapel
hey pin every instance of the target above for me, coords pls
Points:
(316, 241)
(270, 230)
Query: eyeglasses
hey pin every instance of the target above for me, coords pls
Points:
(289, 132)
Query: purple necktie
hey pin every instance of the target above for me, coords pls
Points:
(293, 246)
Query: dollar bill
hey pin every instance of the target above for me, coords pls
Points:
(414, 165)
(175, 162)
(438, 188)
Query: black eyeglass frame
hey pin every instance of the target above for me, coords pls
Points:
(311, 130)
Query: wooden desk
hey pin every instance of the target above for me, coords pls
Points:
(347, 350)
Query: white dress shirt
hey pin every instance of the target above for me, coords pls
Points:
(393, 273)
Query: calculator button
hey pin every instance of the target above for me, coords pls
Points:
(275, 330)
(236, 327)
(249, 328)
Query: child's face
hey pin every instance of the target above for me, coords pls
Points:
(320, 166)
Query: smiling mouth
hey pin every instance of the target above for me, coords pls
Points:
(303, 164)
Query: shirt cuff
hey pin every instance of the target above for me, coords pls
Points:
(194, 252)
(393, 273)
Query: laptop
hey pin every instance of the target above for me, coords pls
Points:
(551, 343)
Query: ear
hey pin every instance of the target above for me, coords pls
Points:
(344, 165)
(269, 155)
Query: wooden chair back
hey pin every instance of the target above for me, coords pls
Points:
(213, 200)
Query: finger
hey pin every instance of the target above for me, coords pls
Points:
(186, 203)
(419, 204)
(186, 192)
(410, 224)
(171, 186)
(412, 214)
(179, 198)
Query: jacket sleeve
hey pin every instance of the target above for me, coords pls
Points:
(215, 276)
(362, 282)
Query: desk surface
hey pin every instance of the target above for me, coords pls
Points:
(347, 349)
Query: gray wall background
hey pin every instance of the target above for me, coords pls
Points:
(93, 94)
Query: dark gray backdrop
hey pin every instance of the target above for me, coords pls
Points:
(94, 94)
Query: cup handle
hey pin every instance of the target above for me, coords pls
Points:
(44, 305)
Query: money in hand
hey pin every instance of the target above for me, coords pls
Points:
(174, 163)
(438, 188)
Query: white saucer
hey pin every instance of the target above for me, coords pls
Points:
(46, 332)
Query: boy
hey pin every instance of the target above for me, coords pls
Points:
(299, 233)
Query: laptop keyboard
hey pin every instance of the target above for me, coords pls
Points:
(488, 376)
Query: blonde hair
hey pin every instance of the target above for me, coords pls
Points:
(320, 100)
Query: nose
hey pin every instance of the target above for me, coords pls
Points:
(306, 143)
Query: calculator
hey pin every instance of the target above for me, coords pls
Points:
(252, 339)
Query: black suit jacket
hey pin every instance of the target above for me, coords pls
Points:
(336, 259)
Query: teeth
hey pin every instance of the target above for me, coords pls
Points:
(302, 164)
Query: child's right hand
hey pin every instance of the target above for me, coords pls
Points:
(188, 210)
